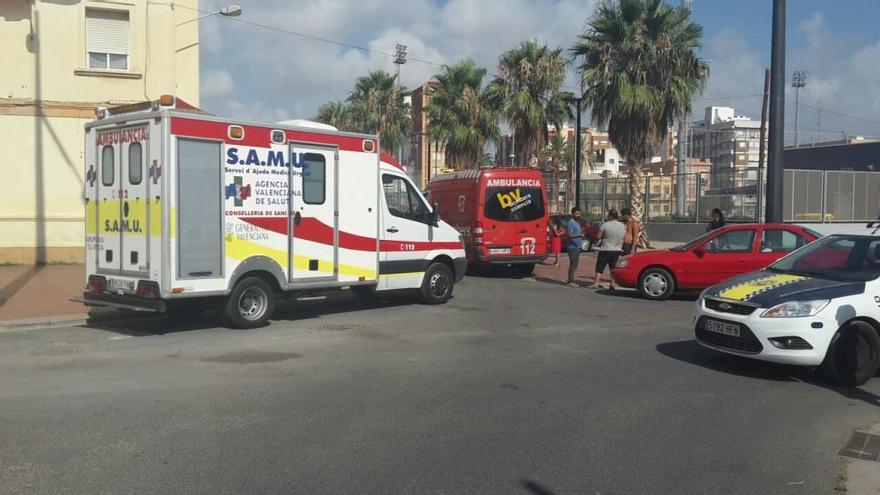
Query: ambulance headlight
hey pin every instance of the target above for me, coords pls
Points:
(796, 309)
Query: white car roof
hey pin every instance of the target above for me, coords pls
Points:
(871, 229)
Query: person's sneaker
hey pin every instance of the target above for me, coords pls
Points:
(573, 284)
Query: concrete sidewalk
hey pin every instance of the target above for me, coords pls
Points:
(41, 293)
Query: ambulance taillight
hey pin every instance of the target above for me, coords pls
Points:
(97, 283)
(478, 233)
(148, 289)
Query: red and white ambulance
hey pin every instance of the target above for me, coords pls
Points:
(182, 206)
(500, 213)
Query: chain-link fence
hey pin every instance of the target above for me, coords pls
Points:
(808, 196)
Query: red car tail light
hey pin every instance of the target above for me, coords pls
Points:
(97, 283)
(478, 233)
(148, 289)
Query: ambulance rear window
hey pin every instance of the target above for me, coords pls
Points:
(314, 175)
(107, 168)
(135, 163)
(514, 204)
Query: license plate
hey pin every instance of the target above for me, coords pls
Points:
(722, 328)
(499, 250)
(120, 284)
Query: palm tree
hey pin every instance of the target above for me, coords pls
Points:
(527, 94)
(460, 115)
(336, 113)
(377, 107)
(555, 153)
(640, 73)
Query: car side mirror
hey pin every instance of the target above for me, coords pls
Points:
(699, 251)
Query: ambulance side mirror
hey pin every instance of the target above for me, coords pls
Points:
(434, 216)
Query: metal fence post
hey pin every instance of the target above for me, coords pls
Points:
(604, 194)
(824, 196)
(698, 187)
(852, 211)
(647, 205)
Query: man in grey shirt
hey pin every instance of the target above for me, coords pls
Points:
(610, 245)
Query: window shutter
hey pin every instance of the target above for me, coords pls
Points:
(107, 31)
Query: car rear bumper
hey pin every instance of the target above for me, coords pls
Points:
(130, 303)
(511, 260)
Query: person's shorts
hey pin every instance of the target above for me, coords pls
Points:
(627, 248)
(606, 258)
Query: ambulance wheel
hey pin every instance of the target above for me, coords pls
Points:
(250, 304)
(437, 284)
(525, 269)
(854, 355)
(656, 284)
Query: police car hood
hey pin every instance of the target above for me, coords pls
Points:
(766, 288)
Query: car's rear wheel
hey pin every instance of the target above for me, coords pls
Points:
(854, 354)
(656, 284)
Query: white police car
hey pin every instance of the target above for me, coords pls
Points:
(820, 305)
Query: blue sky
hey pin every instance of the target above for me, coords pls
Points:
(260, 74)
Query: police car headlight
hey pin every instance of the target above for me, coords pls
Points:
(621, 263)
(796, 309)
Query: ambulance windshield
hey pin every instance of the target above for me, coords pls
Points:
(514, 204)
(850, 258)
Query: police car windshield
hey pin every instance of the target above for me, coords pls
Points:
(850, 258)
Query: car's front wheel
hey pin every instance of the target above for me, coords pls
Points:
(656, 284)
(586, 245)
(854, 354)
(437, 284)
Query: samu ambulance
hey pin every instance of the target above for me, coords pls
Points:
(820, 305)
(185, 207)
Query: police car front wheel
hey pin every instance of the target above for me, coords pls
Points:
(854, 354)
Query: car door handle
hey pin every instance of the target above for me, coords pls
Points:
(523, 231)
(393, 230)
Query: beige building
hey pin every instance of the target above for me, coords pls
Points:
(426, 157)
(61, 60)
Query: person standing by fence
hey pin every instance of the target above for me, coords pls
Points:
(717, 220)
(633, 230)
(611, 235)
(574, 244)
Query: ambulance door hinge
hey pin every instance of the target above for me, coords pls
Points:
(336, 213)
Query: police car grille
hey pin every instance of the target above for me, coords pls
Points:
(746, 342)
(729, 307)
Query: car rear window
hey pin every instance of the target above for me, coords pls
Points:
(514, 204)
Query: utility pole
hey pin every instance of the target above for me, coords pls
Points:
(761, 146)
(777, 115)
(798, 81)
(681, 186)
(399, 59)
(819, 123)
(578, 146)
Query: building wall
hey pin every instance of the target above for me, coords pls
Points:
(48, 98)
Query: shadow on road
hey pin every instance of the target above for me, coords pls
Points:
(496, 271)
(634, 294)
(689, 351)
(535, 488)
(139, 325)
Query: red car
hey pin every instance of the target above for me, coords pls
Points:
(589, 229)
(709, 259)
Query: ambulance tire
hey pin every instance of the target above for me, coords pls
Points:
(525, 269)
(854, 356)
(250, 305)
(437, 284)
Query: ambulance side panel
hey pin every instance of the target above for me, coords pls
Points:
(358, 217)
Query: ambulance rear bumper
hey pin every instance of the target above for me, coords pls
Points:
(130, 303)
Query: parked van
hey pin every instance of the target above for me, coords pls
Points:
(182, 206)
(500, 212)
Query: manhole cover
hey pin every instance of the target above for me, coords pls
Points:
(862, 445)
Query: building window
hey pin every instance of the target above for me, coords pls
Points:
(107, 39)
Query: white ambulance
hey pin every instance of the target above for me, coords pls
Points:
(183, 207)
(819, 305)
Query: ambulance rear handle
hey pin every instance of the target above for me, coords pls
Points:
(393, 230)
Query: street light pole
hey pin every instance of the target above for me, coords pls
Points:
(577, 153)
(798, 81)
(233, 10)
(777, 115)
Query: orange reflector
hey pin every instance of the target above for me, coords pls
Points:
(177, 290)
(361, 279)
(369, 145)
(166, 100)
(236, 132)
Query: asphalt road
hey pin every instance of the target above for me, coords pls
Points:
(515, 386)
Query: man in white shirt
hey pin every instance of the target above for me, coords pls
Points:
(611, 236)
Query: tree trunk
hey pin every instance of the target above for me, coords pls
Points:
(637, 201)
(554, 189)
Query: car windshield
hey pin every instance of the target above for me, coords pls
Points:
(691, 244)
(839, 257)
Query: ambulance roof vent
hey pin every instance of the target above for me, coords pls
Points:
(308, 123)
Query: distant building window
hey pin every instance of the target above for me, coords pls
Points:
(107, 39)
(611, 161)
